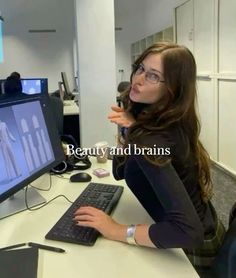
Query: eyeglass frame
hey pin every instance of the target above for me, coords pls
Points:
(147, 74)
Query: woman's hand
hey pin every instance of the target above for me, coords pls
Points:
(95, 218)
(120, 117)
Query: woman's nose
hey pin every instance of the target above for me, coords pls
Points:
(139, 79)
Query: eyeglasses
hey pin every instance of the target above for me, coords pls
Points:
(150, 76)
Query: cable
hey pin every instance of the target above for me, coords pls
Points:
(60, 176)
(43, 205)
(50, 183)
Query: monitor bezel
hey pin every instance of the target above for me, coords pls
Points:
(53, 135)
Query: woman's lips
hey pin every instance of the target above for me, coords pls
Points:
(134, 90)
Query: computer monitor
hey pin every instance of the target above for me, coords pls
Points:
(2, 91)
(29, 147)
(67, 93)
(31, 86)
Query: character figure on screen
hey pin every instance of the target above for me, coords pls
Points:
(11, 167)
(175, 189)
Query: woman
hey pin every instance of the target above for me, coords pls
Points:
(174, 186)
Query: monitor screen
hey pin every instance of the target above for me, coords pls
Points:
(28, 147)
(31, 86)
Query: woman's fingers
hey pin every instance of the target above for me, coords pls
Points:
(120, 117)
(86, 224)
(84, 217)
(97, 219)
(119, 121)
(117, 108)
(114, 115)
(90, 217)
(86, 210)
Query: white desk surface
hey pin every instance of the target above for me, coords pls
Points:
(106, 258)
(70, 108)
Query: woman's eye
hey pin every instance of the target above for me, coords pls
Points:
(153, 76)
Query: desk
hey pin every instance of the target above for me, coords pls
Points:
(106, 258)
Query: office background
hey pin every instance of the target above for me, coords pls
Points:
(85, 39)
(83, 45)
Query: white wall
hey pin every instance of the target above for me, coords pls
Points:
(138, 19)
(38, 54)
(96, 51)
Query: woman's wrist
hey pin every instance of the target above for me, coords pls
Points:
(119, 233)
(128, 234)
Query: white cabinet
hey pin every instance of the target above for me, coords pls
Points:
(184, 24)
(213, 23)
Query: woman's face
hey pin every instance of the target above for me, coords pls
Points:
(147, 83)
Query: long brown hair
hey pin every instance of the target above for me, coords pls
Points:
(179, 107)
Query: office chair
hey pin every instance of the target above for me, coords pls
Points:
(232, 214)
(224, 265)
(122, 87)
(57, 110)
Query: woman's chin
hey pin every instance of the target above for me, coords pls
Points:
(134, 98)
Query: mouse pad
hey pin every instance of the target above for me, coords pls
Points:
(21, 263)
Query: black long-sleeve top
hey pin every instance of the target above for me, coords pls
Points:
(170, 194)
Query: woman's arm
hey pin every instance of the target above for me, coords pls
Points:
(181, 226)
(124, 120)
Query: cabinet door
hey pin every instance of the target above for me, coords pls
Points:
(208, 116)
(227, 36)
(204, 53)
(227, 84)
(227, 119)
(204, 25)
(199, 16)
(184, 24)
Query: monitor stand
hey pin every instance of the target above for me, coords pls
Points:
(16, 203)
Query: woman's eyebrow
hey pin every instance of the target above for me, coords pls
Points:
(155, 70)
(152, 69)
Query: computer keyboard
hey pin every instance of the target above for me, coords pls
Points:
(68, 102)
(101, 196)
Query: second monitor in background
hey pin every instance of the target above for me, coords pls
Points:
(31, 86)
(67, 94)
(2, 91)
